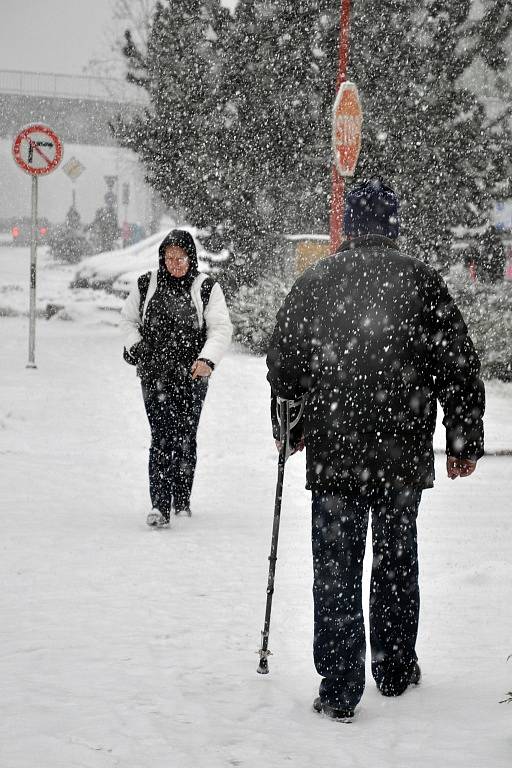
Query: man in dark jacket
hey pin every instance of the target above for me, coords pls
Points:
(371, 338)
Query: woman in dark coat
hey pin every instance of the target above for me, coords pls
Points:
(176, 329)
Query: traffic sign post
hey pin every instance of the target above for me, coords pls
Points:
(37, 150)
(346, 131)
(346, 144)
(33, 272)
(73, 169)
(346, 134)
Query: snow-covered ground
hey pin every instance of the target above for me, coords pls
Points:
(123, 646)
(53, 281)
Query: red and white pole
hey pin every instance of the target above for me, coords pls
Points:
(338, 183)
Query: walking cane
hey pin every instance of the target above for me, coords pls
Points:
(286, 424)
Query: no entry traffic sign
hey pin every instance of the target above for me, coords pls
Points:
(37, 149)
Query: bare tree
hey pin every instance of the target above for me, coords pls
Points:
(127, 15)
(136, 16)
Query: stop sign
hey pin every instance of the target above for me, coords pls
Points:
(347, 122)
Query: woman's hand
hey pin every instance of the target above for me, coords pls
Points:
(200, 369)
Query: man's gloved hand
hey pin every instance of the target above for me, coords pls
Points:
(295, 447)
(459, 467)
(298, 445)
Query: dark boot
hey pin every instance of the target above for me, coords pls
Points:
(397, 686)
(342, 715)
(184, 510)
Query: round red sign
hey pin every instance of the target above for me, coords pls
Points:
(37, 149)
(347, 122)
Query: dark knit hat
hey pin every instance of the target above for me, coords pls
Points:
(371, 209)
(183, 239)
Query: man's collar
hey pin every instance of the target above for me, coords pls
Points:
(368, 240)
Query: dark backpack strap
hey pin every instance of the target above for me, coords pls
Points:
(143, 283)
(206, 291)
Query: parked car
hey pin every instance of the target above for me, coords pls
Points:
(21, 231)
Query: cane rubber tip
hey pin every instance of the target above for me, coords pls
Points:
(263, 667)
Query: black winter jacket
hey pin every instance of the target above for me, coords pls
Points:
(171, 337)
(372, 338)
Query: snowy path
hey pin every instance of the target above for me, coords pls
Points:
(122, 646)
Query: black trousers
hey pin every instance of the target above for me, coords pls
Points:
(340, 523)
(173, 412)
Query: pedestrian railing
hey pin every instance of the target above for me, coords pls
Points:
(54, 85)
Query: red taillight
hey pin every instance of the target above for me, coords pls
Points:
(43, 230)
(15, 231)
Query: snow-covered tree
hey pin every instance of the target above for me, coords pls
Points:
(237, 134)
(487, 310)
(282, 82)
(67, 241)
(178, 137)
(491, 257)
(253, 311)
(430, 136)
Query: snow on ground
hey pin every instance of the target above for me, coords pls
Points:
(53, 287)
(124, 646)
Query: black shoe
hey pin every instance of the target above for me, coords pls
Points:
(157, 519)
(415, 676)
(397, 687)
(342, 715)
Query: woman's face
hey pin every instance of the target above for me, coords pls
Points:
(177, 262)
